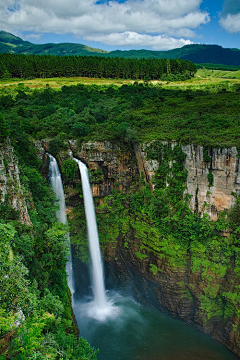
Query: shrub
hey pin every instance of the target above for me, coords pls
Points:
(69, 168)
(80, 129)
(206, 157)
(56, 145)
(210, 179)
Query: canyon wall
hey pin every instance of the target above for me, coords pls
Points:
(192, 284)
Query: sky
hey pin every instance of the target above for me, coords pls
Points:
(124, 24)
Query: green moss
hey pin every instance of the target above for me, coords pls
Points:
(211, 307)
(140, 255)
(153, 269)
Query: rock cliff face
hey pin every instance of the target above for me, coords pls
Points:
(178, 289)
(10, 188)
(222, 163)
(109, 166)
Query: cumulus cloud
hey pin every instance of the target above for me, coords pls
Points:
(36, 37)
(131, 39)
(231, 23)
(230, 16)
(178, 18)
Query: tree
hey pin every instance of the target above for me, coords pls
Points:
(4, 131)
(69, 168)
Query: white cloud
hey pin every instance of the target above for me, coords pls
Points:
(231, 23)
(84, 18)
(230, 16)
(36, 37)
(131, 39)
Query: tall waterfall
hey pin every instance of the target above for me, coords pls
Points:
(97, 268)
(56, 181)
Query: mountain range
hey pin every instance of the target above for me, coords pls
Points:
(197, 53)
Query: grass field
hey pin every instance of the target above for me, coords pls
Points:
(59, 82)
(218, 74)
(202, 77)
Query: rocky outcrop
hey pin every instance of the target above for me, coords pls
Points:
(213, 198)
(11, 191)
(109, 166)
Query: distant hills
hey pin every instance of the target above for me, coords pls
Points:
(12, 44)
(199, 54)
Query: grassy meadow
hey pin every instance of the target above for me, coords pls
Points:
(202, 77)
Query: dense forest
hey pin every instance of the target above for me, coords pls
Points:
(207, 115)
(47, 66)
(218, 67)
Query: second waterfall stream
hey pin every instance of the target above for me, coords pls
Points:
(56, 182)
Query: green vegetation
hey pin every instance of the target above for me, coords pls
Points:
(210, 179)
(219, 73)
(4, 131)
(38, 66)
(218, 67)
(13, 44)
(206, 115)
(69, 168)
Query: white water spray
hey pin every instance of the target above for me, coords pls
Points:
(56, 182)
(100, 309)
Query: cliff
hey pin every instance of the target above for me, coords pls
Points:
(11, 191)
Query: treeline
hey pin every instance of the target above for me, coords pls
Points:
(47, 66)
(218, 67)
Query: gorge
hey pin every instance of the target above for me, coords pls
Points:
(177, 283)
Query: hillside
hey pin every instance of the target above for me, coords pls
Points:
(15, 45)
(196, 53)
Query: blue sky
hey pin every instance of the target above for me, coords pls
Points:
(124, 24)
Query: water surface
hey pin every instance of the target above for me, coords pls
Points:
(136, 332)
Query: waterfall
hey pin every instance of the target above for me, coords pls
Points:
(97, 268)
(56, 182)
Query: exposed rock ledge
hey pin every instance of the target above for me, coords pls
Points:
(10, 182)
